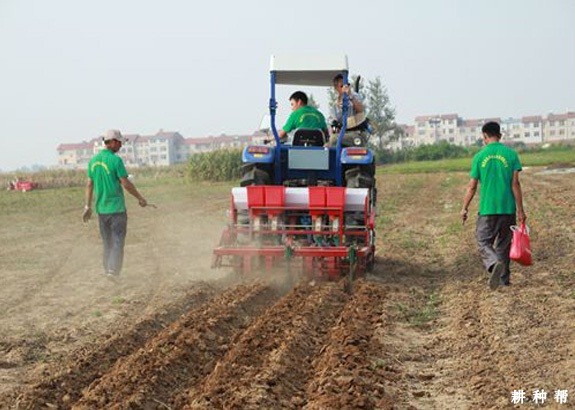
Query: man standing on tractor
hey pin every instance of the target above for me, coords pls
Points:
(302, 116)
(357, 122)
(106, 177)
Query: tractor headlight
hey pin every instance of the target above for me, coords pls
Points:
(357, 141)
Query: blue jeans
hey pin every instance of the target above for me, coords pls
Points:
(494, 240)
(113, 228)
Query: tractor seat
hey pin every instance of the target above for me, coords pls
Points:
(308, 137)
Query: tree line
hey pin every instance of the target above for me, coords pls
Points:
(379, 110)
(225, 165)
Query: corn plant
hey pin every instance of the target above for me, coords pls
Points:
(220, 165)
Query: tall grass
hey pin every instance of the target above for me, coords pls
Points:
(62, 178)
(528, 159)
(225, 165)
(55, 178)
(221, 165)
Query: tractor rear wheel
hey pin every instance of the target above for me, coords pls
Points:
(253, 175)
(360, 176)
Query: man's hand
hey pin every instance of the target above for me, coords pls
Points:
(464, 213)
(347, 90)
(87, 214)
(521, 217)
(143, 203)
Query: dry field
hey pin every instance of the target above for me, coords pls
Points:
(423, 331)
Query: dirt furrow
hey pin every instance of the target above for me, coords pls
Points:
(186, 351)
(346, 374)
(267, 367)
(62, 386)
(516, 338)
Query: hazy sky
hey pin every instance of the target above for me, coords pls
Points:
(71, 69)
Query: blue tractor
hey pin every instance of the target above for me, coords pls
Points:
(306, 161)
(308, 200)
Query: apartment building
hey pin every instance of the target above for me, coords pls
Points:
(406, 140)
(212, 143)
(535, 129)
(532, 129)
(75, 155)
(470, 130)
(161, 149)
(560, 127)
(431, 129)
(168, 148)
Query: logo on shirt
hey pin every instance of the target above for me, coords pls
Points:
(313, 115)
(101, 164)
(499, 158)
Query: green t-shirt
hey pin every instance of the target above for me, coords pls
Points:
(105, 170)
(493, 166)
(305, 117)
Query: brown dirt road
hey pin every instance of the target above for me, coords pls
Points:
(423, 331)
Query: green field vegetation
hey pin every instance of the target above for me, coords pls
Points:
(62, 178)
(220, 165)
(52, 203)
(564, 157)
(225, 165)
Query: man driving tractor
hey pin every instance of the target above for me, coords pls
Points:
(302, 116)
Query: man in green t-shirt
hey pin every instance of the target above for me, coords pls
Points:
(106, 177)
(302, 116)
(497, 168)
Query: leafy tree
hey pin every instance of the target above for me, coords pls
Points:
(331, 99)
(378, 109)
(312, 102)
(380, 112)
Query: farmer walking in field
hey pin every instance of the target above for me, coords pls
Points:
(496, 167)
(106, 177)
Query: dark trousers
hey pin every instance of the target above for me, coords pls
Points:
(494, 240)
(113, 228)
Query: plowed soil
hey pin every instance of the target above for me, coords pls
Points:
(422, 331)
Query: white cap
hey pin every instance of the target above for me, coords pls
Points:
(114, 135)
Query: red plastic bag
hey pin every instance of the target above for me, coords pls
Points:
(521, 245)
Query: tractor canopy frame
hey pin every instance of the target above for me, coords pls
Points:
(313, 70)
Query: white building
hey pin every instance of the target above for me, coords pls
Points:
(160, 149)
(535, 129)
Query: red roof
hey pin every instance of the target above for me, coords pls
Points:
(423, 118)
(167, 135)
(217, 140)
(449, 116)
(557, 117)
(199, 141)
(408, 129)
(73, 147)
(532, 118)
(473, 123)
(131, 137)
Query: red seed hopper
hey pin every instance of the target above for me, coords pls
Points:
(318, 230)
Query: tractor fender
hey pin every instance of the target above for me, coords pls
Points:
(261, 154)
